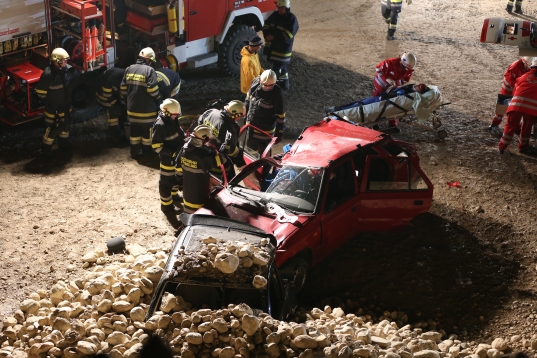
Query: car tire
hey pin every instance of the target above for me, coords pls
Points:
(229, 54)
(296, 271)
(83, 100)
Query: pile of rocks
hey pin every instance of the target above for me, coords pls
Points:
(232, 261)
(104, 312)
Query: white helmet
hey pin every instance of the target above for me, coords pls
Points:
(202, 132)
(147, 53)
(286, 3)
(235, 109)
(59, 54)
(268, 78)
(408, 60)
(170, 107)
(526, 60)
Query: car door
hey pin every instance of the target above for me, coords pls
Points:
(340, 208)
(393, 190)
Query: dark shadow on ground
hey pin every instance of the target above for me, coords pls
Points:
(434, 270)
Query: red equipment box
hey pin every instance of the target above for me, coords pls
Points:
(79, 8)
(24, 77)
(144, 22)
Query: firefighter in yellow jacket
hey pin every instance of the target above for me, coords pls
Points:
(250, 65)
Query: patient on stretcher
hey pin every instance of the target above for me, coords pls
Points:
(399, 91)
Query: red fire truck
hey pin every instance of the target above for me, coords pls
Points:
(183, 33)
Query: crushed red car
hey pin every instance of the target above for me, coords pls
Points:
(336, 181)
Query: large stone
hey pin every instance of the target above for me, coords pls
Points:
(305, 341)
(136, 250)
(194, 338)
(259, 281)
(86, 347)
(432, 336)
(250, 324)
(361, 352)
(137, 314)
(500, 344)
(29, 306)
(381, 342)
(134, 351)
(227, 263)
(494, 353)
(261, 258)
(122, 306)
(227, 352)
(242, 309)
(168, 303)
(427, 354)
(154, 273)
(116, 338)
(90, 257)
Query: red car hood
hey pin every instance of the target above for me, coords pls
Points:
(266, 222)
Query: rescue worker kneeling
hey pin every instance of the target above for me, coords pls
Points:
(53, 86)
(167, 140)
(192, 167)
(221, 122)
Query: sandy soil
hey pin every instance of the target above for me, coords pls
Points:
(467, 267)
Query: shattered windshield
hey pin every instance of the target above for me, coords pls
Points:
(293, 188)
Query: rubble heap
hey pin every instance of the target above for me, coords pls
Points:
(104, 312)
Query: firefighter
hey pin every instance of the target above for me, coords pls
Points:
(250, 65)
(523, 107)
(53, 87)
(109, 97)
(518, 6)
(390, 10)
(279, 32)
(140, 89)
(193, 164)
(265, 109)
(169, 83)
(392, 73)
(221, 122)
(513, 72)
(167, 139)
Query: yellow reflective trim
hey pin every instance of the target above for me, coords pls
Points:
(179, 170)
(106, 89)
(196, 206)
(166, 167)
(166, 202)
(41, 91)
(282, 54)
(136, 114)
(234, 152)
(289, 34)
(152, 89)
(156, 145)
(218, 162)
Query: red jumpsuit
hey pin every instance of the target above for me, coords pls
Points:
(393, 70)
(514, 71)
(523, 106)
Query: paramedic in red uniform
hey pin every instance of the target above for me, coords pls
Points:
(514, 71)
(523, 107)
(392, 73)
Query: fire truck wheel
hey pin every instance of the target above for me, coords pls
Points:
(229, 54)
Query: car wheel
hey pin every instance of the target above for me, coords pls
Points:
(296, 271)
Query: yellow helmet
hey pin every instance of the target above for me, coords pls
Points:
(268, 78)
(202, 132)
(170, 107)
(235, 109)
(59, 54)
(286, 3)
(147, 53)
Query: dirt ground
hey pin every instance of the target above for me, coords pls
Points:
(467, 267)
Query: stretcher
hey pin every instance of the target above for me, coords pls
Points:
(413, 109)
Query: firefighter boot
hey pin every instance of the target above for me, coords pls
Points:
(518, 9)
(391, 33)
(170, 209)
(509, 9)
